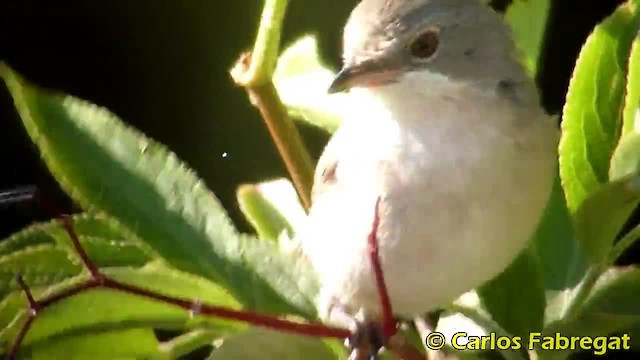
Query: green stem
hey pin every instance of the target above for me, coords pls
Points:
(264, 55)
(186, 343)
(581, 293)
(487, 323)
(254, 72)
(583, 290)
(625, 243)
(286, 138)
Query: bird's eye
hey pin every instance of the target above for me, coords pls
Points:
(425, 45)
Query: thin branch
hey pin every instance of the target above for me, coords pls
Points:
(389, 325)
(623, 245)
(100, 280)
(266, 48)
(254, 71)
(583, 290)
(286, 137)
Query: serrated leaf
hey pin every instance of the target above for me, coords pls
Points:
(39, 266)
(528, 22)
(108, 166)
(104, 309)
(515, 299)
(602, 215)
(631, 112)
(85, 225)
(49, 263)
(107, 345)
(302, 81)
(592, 123)
(270, 344)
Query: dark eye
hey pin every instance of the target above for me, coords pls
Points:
(425, 45)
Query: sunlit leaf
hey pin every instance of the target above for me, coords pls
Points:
(271, 207)
(107, 166)
(302, 81)
(592, 123)
(631, 113)
(528, 22)
(601, 216)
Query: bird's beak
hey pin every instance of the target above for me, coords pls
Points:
(367, 74)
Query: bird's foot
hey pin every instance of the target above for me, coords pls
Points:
(367, 339)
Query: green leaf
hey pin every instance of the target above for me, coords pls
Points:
(264, 205)
(270, 344)
(302, 81)
(39, 266)
(626, 159)
(602, 215)
(43, 263)
(631, 113)
(104, 309)
(108, 166)
(515, 299)
(562, 258)
(612, 306)
(528, 22)
(592, 122)
(616, 292)
(131, 344)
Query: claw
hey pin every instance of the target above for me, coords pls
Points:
(367, 341)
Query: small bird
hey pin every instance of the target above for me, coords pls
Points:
(446, 129)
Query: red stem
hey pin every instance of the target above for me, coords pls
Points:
(99, 280)
(389, 324)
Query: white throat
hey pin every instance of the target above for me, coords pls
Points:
(422, 95)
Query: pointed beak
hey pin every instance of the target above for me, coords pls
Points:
(366, 74)
(344, 80)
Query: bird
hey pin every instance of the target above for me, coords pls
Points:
(446, 132)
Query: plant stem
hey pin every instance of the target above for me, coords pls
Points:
(254, 72)
(186, 343)
(286, 138)
(593, 274)
(625, 243)
(266, 48)
(581, 293)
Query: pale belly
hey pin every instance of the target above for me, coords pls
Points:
(452, 217)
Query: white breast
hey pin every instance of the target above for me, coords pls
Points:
(463, 185)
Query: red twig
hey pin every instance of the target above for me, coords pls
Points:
(389, 324)
(99, 280)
